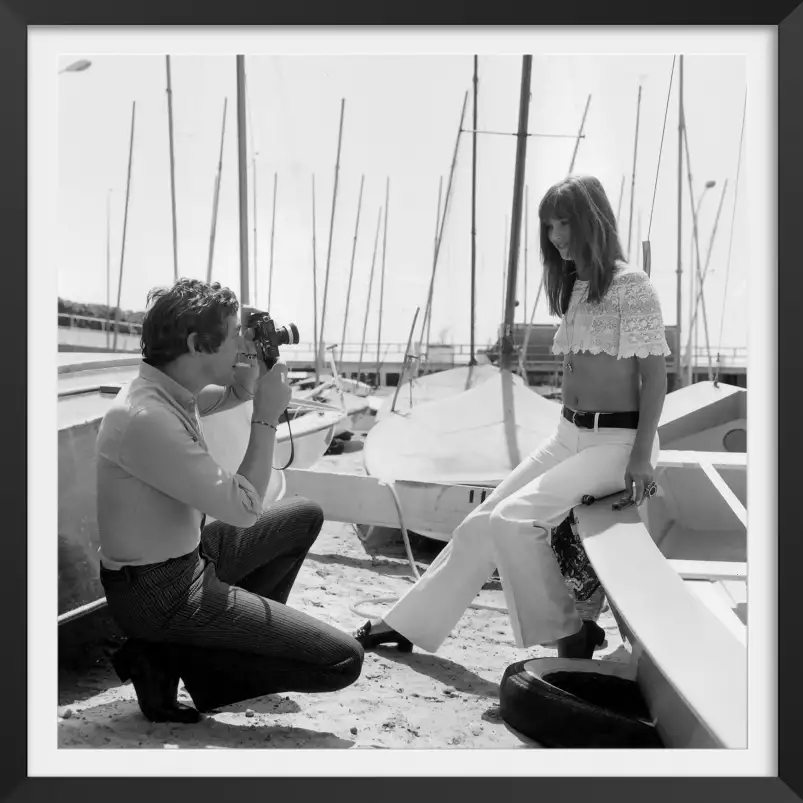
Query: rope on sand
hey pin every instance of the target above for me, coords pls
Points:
(355, 609)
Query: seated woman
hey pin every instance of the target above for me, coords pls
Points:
(614, 383)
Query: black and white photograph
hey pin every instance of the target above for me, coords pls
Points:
(402, 396)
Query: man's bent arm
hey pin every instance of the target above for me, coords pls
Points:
(157, 449)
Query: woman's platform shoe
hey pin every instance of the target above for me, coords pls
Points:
(583, 643)
(150, 668)
(370, 640)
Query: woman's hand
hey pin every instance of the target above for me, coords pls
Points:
(638, 474)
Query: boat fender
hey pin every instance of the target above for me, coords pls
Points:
(575, 703)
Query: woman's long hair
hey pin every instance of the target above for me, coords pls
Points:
(582, 201)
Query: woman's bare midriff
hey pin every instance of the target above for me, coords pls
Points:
(600, 383)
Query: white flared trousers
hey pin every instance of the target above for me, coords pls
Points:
(510, 531)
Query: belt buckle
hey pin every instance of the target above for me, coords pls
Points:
(575, 413)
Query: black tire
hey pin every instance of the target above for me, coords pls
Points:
(549, 701)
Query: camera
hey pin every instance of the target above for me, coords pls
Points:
(268, 337)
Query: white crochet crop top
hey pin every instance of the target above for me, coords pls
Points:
(626, 323)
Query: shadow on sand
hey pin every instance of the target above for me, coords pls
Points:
(131, 730)
(452, 675)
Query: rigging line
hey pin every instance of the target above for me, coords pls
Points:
(514, 134)
(661, 149)
(733, 221)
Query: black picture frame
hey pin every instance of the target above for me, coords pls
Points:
(15, 17)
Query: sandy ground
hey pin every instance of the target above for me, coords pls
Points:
(401, 700)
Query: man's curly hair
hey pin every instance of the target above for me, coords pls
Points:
(174, 313)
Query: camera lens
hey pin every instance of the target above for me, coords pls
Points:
(288, 335)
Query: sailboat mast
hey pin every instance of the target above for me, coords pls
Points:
(406, 361)
(529, 325)
(428, 309)
(368, 301)
(382, 283)
(439, 240)
(272, 237)
(108, 262)
(696, 242)
(125, 227)
(242, 174)
(504, 269)
(216, 196)
(579, 136)
(351, 268)
(472, 360)
(526, 240)
(331, 229)
(699, 291)
(619, 205)
(314, 286)
(679, 292)
(633, 182)
(515, 229)
(638, 236)
(172, 167)
(254, 198)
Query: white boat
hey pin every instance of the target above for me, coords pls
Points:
(303, 436)
(436, 386)
(706, 416)
(87, 386)
(352, 397)
(674, 571)
(477, 436)
(675, 574)
(357, 412)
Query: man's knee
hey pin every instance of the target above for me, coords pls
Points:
(347, 668)
(312, 513)
(300, 515)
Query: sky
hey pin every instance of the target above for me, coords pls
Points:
(400, 124)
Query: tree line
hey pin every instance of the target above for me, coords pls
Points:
(100, 312)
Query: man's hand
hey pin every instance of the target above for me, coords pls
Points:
(250, 366)
(272, 394)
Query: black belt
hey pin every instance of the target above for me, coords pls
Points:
(585, 420)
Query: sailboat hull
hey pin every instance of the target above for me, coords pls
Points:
(78, 542)
(475, 437)
(675, 574)
(82, 405)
